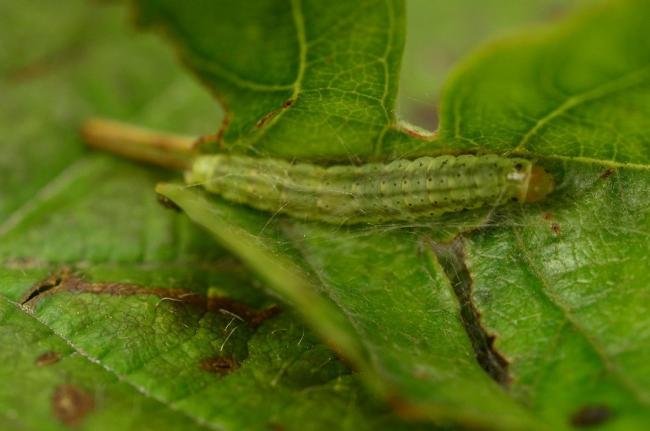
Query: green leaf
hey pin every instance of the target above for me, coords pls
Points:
(431, 52)
(394, 317)
(573, 97)
(115, 313)
(575, 92)
(299, 79)
(46, 365)
(566, 291)
(563, 286)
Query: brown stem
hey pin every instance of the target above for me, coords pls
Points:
(137, 143)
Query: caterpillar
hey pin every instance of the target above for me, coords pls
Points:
(399, 191)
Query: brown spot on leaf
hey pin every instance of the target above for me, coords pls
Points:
(66, 281)
(252, 316)
(554, 226)
(556, 229)
(266, 118)
(607, 173)
(589, 416)
(47, 358)
(221, 365)
(274, 113)
(71, 404)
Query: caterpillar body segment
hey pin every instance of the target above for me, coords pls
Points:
(398, 191)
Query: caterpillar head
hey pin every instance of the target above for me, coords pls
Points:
(540, 184)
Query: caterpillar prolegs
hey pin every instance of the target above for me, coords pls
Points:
(398, 191)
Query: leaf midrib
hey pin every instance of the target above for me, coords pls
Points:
(586, 161)
(299, 24)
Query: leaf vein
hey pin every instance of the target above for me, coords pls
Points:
(550, 298)
(114, 373)
(602, 90)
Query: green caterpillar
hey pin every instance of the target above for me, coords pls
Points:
(399, 191)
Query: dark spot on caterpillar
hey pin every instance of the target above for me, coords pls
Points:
(607, 173)
(589, 416)
(220, 365)
(519, 166)
(547, 216)
(47, 358)
(167, 203)
(555, 228)
(71, 404)
(287, 103)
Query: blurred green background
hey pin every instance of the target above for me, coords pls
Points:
(441, 32)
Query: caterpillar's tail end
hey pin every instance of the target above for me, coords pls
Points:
(540, 185)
